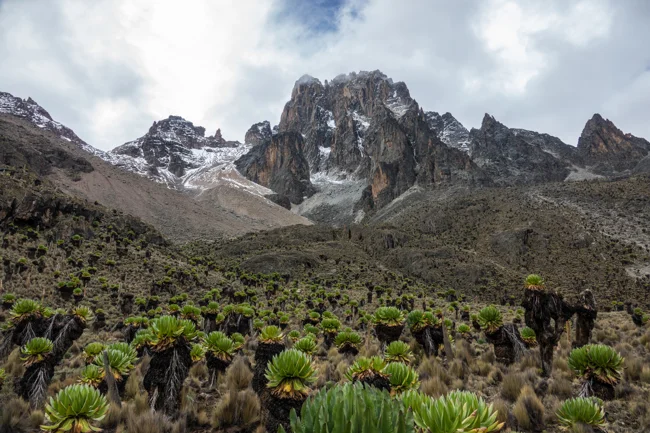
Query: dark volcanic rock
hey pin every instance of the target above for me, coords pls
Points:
(258, 133)
(279, 164)
(607, 149)
(169, 145)
(516, 157)
(449, 130)
(365, 126)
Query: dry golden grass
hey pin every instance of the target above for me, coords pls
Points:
(238, 374)
(529, 410)
(511, 386)
(236, 408)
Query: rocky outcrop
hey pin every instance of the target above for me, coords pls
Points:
(607, 150)
(279, 164)
(365, 126)
(170, 149)
(512, 157)
(449, 130)
(258, 133)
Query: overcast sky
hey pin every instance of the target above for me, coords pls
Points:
(109, 68)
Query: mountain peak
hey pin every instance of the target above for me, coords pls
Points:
(307, 79)
(608, 149)
(29, 110)
(258, 133)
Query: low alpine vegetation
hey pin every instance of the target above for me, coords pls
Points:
(398, 351)
(490, 319)
(580, 412)
(77, 409)
(290, 374)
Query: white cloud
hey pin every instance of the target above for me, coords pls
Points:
(109, 68)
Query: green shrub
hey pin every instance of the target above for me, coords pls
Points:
(458, 411)
(528, 335)
(347, 337)
(398, 351)
(92, 350)
(76, 408)
(306, 345)
(351, 408)
(36, 350)
(490, 319)
(220, 346)
(290, 374)
(402, 377)
(388, 316)
(271, 334)
(597, 361)
(581, 411)
(534, 282)
(364, 368)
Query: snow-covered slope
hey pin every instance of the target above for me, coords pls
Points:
(449, 130)
(178, 154)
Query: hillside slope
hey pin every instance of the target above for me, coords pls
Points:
(178, 215)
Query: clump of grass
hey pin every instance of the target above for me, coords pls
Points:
(238, 374)
(561, 388)
(512, 385)
(237, 408)
(529, 410)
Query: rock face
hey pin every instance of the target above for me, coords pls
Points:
(449, 130)
(607, 150)
(515, 156)
(173, 151)
(365, 128)
(258, 133)
(279, 164)
(172, 147)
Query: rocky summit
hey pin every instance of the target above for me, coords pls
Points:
(347, 147)
(607, 150)
(171, 148)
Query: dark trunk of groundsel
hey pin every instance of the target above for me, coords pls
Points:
(164, 379)
(388, 334)
(209, 323)
(508, 344)
(603, 391)
(430, 338)
(263, 355)
(121, 386)
(237, 323)
(503, 350)
(68, 329)
(216, 366)
(20, 334)
(586, 314)
(32, 387)
(377, 381)
(348, 349)
(277, 410)
(328, 339)
(129, 333)
(546, 314)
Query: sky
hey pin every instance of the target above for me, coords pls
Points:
(109, 68)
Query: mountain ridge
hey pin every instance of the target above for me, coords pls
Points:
(362, 143)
